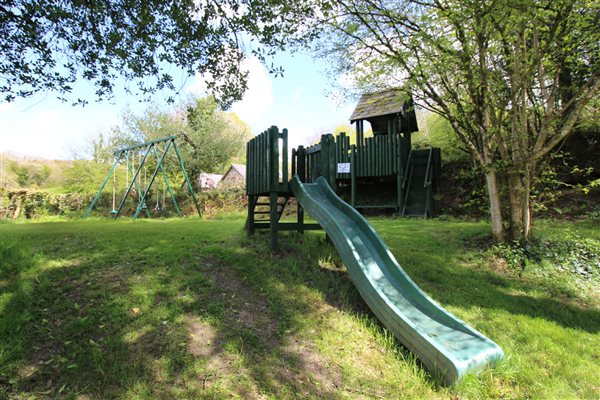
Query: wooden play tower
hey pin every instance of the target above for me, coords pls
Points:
(382, 171)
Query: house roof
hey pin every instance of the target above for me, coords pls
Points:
(239, 168)
(207, 180)
(390, 101)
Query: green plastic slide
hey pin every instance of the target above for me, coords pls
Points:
(446, 345)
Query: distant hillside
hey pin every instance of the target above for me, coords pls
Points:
(18, 172)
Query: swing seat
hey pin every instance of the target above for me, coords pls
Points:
(113, 211)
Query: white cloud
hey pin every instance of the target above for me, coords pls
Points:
(297, 95)
(299, 136)
(33, 134)
(198, 85)
(51, 132)
(6, 107)
(258, 99)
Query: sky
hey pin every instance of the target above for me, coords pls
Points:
(301, 101)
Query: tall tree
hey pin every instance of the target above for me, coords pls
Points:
(92, 161)
(512, 77)
(49, 45)
(209, 138)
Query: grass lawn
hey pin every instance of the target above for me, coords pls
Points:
(194, 309)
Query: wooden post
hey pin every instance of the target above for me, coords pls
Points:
(353, 176)
(273, 140)
(248, 184)
(406, 147)
(324, 157)
(250, 176)
(301, 163)
(284, 161)
(331, 161)
(300, 214)
(360, 133)
(399, 176)
(273, 220)
(275, 165)
(301, 172)
(370, 156)
(378, 155)
(251, 205)
(361, 160)
(260, 164)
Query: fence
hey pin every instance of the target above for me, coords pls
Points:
(265, 154)
(336, 160)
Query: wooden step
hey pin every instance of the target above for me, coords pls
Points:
(417, 184)
(413, 201)
(268, 204)
(376, 206)
(414, 210)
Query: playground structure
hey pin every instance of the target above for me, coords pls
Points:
(382, 171)
(446, 345)
(141, 151)
(387, 162)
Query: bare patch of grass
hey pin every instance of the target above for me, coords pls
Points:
(243, 306)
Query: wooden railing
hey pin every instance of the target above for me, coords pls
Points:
(266, 165)
(377, 156)
(334, 158)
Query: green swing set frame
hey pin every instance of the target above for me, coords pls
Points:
(149, 147)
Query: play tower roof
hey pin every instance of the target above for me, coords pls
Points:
(379, 107)
(377, 104)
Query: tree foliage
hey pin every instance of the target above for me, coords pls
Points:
(436, 131)
(511, 77)
(91, 162)
(350, 131)
(29, 174)
(85, 176)
(213, 138)
(50, 45)
(208, 137)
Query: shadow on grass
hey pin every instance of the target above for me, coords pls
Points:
(496, 295)
(130, 326)
(451, 283)
(208, 320)
(446, 278)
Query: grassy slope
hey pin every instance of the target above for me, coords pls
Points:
(188, 309)
(52, 184)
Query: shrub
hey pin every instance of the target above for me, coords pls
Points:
(227, 200)
(35, 203)
(574, 254)
(28, 174)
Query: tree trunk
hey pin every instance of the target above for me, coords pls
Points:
(519, 212)
(491, 180)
